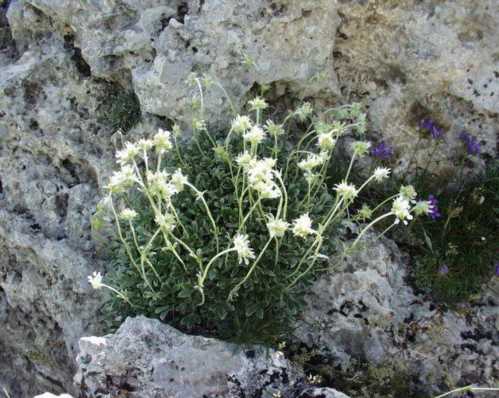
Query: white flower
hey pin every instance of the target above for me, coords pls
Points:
(275, 130)
(162, 141)
(254, 136)
(325, 141)
(347, 191)
(312, 161)
(267, 189)
(244, 159)
(121, 180)
(179, 180)
(408, 192)
(360, 148)
(244, 251)
(304, 111)
(257, 103)
(159, 186)
(198, 124)
(339, 128)
(241, 124)
(128, 214)
(401, 210)
(365, 213)
(127, 154)
(144, 144)
(381, 173)
(277, 227)
(302, 226)
(95, 280)
(260, 170)
(165, 221)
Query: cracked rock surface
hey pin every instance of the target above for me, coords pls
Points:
(147, 359)
(364, 314)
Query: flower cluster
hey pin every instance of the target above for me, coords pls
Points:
(218, 223)
(434, 211)
(471, 142)
(382, 151)
(261, 174)
(431, 127)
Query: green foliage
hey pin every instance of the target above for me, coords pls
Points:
(454, 255)
(120, 110)
(204, 234)
(465, 240)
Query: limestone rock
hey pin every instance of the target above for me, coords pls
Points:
(146, 358)
(364, 312)
(154, 48)
(408, 60)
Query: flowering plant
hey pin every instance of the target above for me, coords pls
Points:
(225, 233)
(455, 246)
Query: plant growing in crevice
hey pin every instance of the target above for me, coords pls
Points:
(456, 246)
(119, 109)
(224, 235)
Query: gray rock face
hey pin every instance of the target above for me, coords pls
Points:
(147, 359)
(409, 60)
(364, 313)
(57, 120)
(155, 47)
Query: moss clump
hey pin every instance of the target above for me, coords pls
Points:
(119, 109)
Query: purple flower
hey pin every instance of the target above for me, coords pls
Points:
(434, 212)
(497, 268)
(471, 142)
(382, 151)
(443, 269)
(430, 126)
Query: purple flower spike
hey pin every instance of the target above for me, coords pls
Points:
(434, 212)
(430, 126)
(382, 151)
(443, 270)
(471, 142)
(497, 268)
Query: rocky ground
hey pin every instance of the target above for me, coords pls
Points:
(73, 72)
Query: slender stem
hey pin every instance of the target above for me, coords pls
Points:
(123, 241)
(284, 192)
(171, 247)
(137, 247)
(385, 201)
(277, 245)
(120, 295)
(203, 276)
(350, 167)
(295, 152)
(232, 107)
(200, 196)
(177, 218)
(240, 203)
(312, 263)
(227, 139)
(430, 160)
(414, 152)
(187, 247)
(305, 256)
(369, 226)
(333, 211)
(468, 388)
(248, 215)
(243, 281)
(180, 158)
